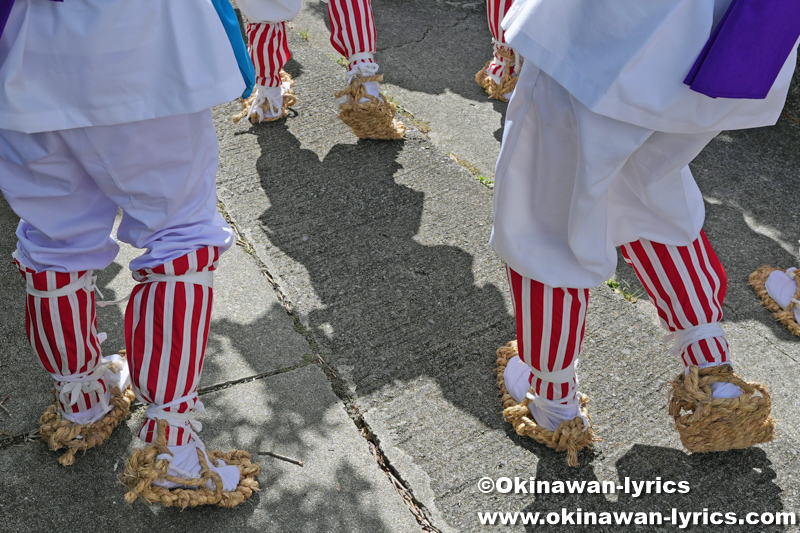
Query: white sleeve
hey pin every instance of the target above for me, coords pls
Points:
(269, 10)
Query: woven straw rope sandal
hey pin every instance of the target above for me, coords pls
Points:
(144, 467)
(60, 433)
(507, 83)
(758, 280)
(248, 111)
(373, 119)
(708, 424)
(569, 436)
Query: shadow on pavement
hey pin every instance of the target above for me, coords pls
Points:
(741, 481)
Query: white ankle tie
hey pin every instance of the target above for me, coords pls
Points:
(683, 338)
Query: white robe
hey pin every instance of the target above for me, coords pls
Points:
(627, 59)
(102, 62)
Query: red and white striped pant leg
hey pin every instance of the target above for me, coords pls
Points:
(551, 323)
(166, 330)
(687, 284)
(269, 51)
(353, 32)
(62, 329)
(496, 10)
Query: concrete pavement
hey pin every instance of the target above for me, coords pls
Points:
(363, 300)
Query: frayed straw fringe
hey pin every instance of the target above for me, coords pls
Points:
(708, 424)
(758, 280)
(569, 436)
(143, 469)
(373, 119)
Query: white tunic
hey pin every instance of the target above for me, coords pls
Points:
(627, 59)
(102, 62)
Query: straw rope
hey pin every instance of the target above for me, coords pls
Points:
(758, 280)
(708, 424)
(373, 119)
(289, 99)
(569, 436)
(497, 90)
(143, 469)
(60, 433)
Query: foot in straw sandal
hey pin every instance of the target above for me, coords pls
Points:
(499, 76)
(78, 431)
(268, 104)
(779, 291)
(561, 426)
(187, 475)
(362, 106)
(715, 410)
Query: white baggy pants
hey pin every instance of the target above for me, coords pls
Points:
(571, 185)
(66, 186)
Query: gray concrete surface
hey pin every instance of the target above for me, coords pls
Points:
(379, 251)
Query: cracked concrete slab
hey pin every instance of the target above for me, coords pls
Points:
(386, 264)
(339, 488)
(251, 333)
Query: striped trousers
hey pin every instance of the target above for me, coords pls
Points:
(67, 186)
(352, 35)
(687, 285)
(62, 330)
(166, 330)
(496, 10)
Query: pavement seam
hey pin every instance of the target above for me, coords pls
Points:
(424, 35)
(338, 385)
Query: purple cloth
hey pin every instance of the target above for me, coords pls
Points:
(747, 49)
(5, 10)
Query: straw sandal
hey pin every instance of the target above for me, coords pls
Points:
(708, 424)
(60, 433)
(495, 90)
(373, 119)
(144, 468)
(248, 110)
(758, 280)
(569, 436)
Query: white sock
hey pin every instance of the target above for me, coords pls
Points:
(721, 389)
(547, 413)
(185, 463)
(781, 288)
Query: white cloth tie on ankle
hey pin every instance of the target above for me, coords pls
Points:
(556, 409)
(88, 281)
(565, 375)
(155, 412)
(84, 382)
(272, 95)
(364, 69)
(205, 278)
(683, 338)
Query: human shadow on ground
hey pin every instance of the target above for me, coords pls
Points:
(739, 482)
(382, 301)
(333, 492)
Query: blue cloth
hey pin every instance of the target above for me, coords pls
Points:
(231, 23)
(747, 49)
